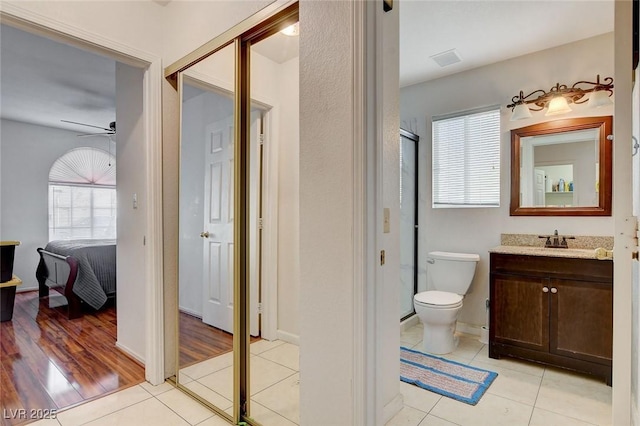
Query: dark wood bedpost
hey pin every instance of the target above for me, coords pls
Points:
(41, 275)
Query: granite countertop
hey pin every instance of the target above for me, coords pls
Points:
(548, 252)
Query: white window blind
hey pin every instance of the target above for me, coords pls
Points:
(80, 212)
(466, 159)
(82, 195)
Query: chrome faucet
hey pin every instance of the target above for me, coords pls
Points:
(556, 241)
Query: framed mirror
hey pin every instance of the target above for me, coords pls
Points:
(562, 168)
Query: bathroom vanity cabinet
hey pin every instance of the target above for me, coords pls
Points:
(552, 310)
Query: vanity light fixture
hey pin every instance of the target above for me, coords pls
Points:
(558, 98)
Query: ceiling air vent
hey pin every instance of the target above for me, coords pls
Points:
(446, 58)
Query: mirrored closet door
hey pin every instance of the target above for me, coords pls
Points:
(219, 233)
(206, 229)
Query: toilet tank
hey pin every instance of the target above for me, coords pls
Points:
(452, 272)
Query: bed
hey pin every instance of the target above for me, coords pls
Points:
(84, 271)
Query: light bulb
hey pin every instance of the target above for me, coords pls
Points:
(292, 30)
(558, 105)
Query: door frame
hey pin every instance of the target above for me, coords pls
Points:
(625, 224)
(52, 29)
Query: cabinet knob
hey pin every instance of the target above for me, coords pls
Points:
(545, 289)
(554, 290)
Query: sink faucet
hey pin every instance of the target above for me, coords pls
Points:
(556, 240)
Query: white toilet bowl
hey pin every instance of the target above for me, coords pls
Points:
(438, 312)
(451, 275)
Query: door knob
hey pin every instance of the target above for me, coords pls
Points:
(204, 234)
(554, 290)
(545, 289)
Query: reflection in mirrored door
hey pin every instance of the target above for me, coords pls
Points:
(206, 234)
(206, 250)
(223, 360)
(274, 385)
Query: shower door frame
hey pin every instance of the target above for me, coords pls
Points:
(415, 138)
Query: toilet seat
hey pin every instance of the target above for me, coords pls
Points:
(435, 299)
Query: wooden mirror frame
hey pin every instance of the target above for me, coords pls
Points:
(605, 124)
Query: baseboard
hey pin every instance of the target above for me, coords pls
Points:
(285, 336)
(471, 329)
(392, 408)
(409, 322)
(131, 353)
(22, 289)
(190, 312)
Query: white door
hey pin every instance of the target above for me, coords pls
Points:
(217, 235)
(538, 188)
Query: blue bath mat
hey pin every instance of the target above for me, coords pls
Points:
(448, 378)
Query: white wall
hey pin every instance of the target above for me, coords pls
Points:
(326, 214)
(27, 152)
(131, 23)
(477, 230)
(189, 24)
(289, 198)
(131, 175)
(192, 212)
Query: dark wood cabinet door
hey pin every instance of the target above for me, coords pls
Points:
(520, 311)
(582, 320)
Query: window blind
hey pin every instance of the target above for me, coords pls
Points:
(82, 195)
(466, 159)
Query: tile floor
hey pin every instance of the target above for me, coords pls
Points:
(522, 394)
(274, 392)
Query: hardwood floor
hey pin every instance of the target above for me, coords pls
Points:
(48, 362)
(199, 341)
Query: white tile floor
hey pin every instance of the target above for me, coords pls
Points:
(522, 394)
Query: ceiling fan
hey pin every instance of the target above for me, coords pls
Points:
(107, 131)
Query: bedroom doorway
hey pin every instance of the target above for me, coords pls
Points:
(124, 346)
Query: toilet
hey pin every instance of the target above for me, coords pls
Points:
(451, 275)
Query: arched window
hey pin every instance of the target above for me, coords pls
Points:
(82, 195)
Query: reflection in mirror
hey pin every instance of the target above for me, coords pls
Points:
(274, 379)
(562, 168)
(206, 231)
(206, 284)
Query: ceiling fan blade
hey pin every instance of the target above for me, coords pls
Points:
(84, 135)
(88, 125)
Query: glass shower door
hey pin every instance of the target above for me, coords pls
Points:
(408, 221)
